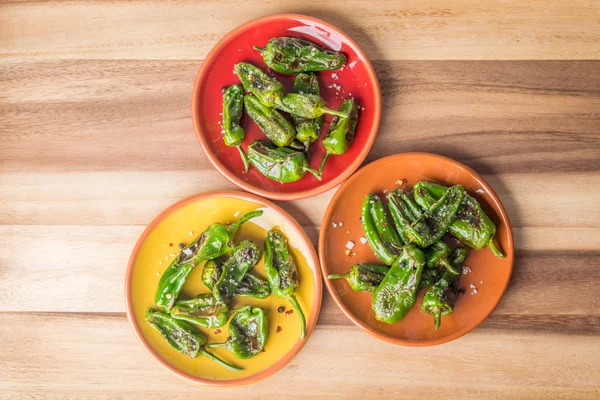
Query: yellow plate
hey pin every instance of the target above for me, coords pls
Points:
(183, 222)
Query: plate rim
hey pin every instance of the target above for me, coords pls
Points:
(287, 357)
(398, 341)
(302, 194)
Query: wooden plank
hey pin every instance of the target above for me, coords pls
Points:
(82, 268)
(85, 356)
(385, 29)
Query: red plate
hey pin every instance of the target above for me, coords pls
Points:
(357, 80)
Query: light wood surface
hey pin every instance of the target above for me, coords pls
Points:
(96, 138)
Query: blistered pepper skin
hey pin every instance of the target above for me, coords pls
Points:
(243, 257)
(282, 273)
(288, 55)
(233, 107)
(341, 131)
(275, 126)
(203, 310)
(439, 299)
(397, 293)
(363, 277)
(281, 164)
(248, 333)
(182, 337)
(471, 226)
(250, 286)
(269, 91)
(212, 243)
(375, 223)
(307, 130)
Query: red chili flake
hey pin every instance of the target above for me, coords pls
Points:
(170, 244)
(217, 331)
(279, 329)
(384, 224)
(262, 351)
(288, 313)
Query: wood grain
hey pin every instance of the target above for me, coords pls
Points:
(96, 138)
(388, 30)
(102, 356)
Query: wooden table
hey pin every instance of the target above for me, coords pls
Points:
(96, 138)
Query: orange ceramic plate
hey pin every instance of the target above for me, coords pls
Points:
(181, 223)
(489, 275)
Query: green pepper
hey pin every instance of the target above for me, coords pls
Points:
(280, 164)
(250, 286)
(363, 277)
(212, 243)
(428, 277)
(269, 91)
(397, 293)
(439, 254)
(274, 125)
(341, 131)
(307, 130)
(307, 106)
(282, 272)
(378, 230)
(440, 298)
(233, 133)
(182, 337)
(432, 224)
(243, 257)
(203, 310)
(248, 332)
(472, 226)
(288, 55)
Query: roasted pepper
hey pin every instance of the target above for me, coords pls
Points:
(340, 133)
(233, 133)
(307, 130)
(363, 277)
(428, 277)
(280, 164)
(212, 243)
(438, 254)
(379, 232)
(440, 298)
(183, 337)
(429, 227)
(269, 91)
(250, 286)
(397, 293)
(203, 310)
(471, 226)
(248, 332)
(288, 55)
(274, 125)
(243, 257)
(307, 106)
(282, 272)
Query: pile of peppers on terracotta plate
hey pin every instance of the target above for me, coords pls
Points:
(284, 157)
(412, 249)
(227, 274)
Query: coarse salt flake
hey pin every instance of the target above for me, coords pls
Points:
(236, 214)
(480, 191)
(466, 270)
(350, 245)
(334, 225)
(385, 191)
(474, 291)
(363, 240)
(158, 274)
(341, 223)
(472, 286)
(334, 75)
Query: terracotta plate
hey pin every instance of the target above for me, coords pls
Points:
(357, 80)
(181, 223)
(489, 275)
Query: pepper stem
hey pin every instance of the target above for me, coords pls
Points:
(448, 265)
(213, 345)
(494, 249)
(316, 173)
(323, 161)
(338, 113)
(261, 49)
(296, 305)
(220, 362)
(337, 276)
(233, 228)
(244, 157)
(437, 317)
